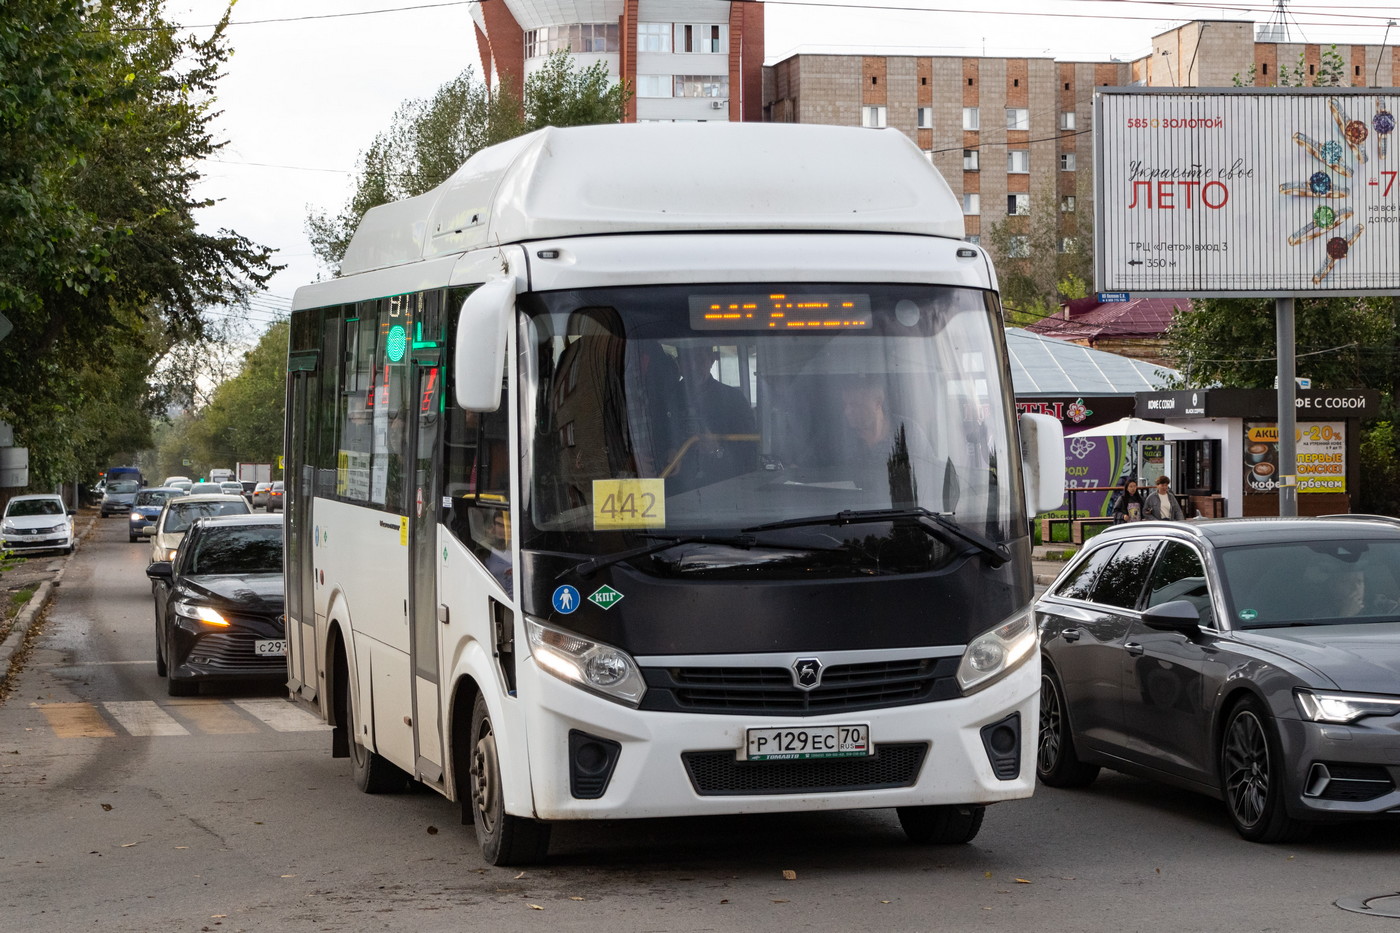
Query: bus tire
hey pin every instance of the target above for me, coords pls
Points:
(373, 773)
(504, 839)
(941, 825)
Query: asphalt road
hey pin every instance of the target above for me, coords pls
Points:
(123, 809)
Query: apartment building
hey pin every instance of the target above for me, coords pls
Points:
(1011, 134)
(685, 59)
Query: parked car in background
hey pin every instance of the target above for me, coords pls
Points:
(1255, 660)
(145, 509)
(274, 497)
(179, 514)
(118, 496)
(37, 523)
(260, 492)
(218, 605)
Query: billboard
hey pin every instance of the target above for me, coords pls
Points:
(1246, 191)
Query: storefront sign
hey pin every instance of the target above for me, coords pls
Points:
(1321, 457)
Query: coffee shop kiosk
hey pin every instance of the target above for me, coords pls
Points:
(1230, 466)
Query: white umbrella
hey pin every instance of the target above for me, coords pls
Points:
(1134, 427)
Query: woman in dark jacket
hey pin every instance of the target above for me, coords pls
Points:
(1127, 505)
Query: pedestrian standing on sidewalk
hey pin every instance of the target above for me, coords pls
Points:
(1162, 505)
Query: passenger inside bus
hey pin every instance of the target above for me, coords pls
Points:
(717, 434)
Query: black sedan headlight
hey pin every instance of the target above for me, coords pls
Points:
(198, 612)
(1334, 707)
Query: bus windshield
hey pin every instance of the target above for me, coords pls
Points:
(708, 411)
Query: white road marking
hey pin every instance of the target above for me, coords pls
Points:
(282, 715)
(144, 717)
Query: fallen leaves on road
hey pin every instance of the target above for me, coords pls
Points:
(789, 874)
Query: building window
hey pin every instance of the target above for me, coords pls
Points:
(1018, 204)
(925, 118)
(971, 118)
(653, 37)
(703, 37)
(701, 86)
(970, 162)
(974, 239)
(1067, 161)
(1067, 119)
(1018, 161)
(872, 116)
(576, 37)
(1018, 247)
(1018, 118)
(1067, 204)
(1067, 244)
(653, 85)
(972, 204)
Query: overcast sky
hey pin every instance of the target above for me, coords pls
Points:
(309, 86)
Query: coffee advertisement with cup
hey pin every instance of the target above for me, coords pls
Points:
(1321, 451)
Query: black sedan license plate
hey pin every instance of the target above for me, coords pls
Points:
(795, 743)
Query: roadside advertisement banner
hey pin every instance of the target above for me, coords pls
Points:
(1247, 191)
(1321, 447)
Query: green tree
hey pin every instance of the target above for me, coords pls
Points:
(243, 420)
(1042, 257)
(430, 138)
(104, 113)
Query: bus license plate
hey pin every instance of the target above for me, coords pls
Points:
(788, 744)
(270, 647)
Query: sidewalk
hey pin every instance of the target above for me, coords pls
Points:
(1048, 560)
(47, 571)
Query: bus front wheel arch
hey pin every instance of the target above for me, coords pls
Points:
(504, 839)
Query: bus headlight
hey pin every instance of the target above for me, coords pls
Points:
(996, 653)
(602, 669)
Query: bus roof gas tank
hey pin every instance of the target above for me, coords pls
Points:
(640, 178)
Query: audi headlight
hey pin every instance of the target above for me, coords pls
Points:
(1322, 706)
(996, 653)
(206, 614)
(602, 669)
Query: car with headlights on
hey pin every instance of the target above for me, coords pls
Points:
(180, 513)
(219, 606)
(146, 508)
(118, 496)
(37, 523)
(1254, 660)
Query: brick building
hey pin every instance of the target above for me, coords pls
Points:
(685, 59)
(1010, 132)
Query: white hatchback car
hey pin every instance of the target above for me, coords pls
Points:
(37, 523)
(178, 514)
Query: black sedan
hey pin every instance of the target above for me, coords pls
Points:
(219, 604)
(1255, 660)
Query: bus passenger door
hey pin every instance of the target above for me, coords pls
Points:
(299, 622)
(422, 567)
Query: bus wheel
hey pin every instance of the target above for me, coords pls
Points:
(373, 773)
(945, 825)
(504, 839)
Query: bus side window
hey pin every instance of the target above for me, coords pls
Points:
(478, 485)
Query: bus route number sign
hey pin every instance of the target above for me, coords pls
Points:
(629, 503)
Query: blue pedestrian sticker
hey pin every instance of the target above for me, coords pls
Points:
(565, 599)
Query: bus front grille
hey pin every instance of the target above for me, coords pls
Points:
(770, 690)
(720, 773)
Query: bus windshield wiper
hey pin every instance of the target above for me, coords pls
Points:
(927, 519)
(662, 543)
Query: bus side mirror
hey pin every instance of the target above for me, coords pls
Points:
(481, 344)
(1042, 462)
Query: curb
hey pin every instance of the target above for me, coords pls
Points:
(20, 630)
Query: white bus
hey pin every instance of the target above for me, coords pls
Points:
(668, 469)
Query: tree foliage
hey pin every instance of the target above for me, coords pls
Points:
(430, 138)
(243, 420)
(105, 111)
(1042, 257)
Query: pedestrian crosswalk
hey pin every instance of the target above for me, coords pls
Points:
(176, 717)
